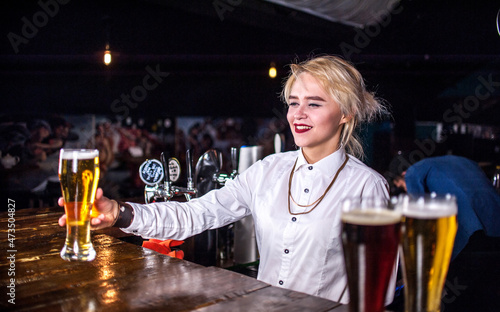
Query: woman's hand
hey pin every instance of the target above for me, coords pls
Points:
(108, 211)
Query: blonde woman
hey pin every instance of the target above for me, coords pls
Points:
(294, 197)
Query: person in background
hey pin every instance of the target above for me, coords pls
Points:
(478, 202)
(60, 134)
(474, 271)
(294, 197)
(36, 149)
(105, 146)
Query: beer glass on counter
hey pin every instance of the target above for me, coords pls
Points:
(370, 237)
(428, 233)
(79, 176)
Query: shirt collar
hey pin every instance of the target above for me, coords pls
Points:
(328, 165)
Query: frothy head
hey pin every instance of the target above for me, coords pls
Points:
(79, 153)
(428, 206)
(371, 217)
(429, 211)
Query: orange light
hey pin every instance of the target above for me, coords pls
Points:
(107, 57)
(272, 71)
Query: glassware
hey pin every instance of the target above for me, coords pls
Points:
(428, 233)
(370, 237)
(79, 176)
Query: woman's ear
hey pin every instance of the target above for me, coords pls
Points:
(345, 119)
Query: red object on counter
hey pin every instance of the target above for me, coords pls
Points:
(165, 247)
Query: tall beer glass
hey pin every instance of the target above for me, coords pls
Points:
(370, 238)
(79, 175)
(428, 233)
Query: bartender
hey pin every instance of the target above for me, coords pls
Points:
(294, 197)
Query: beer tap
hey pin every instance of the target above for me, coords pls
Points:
(190, 182)
(234, 162)
(152, 172)
(213, 245)
(221, 178)
(190, 191)
(165, 191)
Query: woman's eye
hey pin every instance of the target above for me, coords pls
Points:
(293, 104)
(314, 105)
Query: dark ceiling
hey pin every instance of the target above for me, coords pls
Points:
(425, 58)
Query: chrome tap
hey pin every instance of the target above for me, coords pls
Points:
(152, 173)
(221, 178)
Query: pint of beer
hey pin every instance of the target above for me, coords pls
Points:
(79, 175)
(428, 233)
(370, 238)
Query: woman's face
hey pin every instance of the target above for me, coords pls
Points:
(314, 117)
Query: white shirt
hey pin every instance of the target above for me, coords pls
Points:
(298, 252)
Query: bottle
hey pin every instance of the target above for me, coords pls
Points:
(496, 178)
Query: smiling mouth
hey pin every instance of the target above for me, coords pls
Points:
(302, 128)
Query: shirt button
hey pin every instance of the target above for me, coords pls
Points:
(280, 282)
(306, 190)
(310, 167)
(294, 219)
(287, 251)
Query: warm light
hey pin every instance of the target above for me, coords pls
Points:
(107, 57)
(272, 71)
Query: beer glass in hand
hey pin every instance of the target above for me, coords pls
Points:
(428, 233)
(79, 175)
(370, 237)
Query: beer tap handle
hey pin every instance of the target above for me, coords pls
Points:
(164, 162)
(189, 163)
(234, 160)
(166, 193)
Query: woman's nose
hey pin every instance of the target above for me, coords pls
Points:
(300, 112)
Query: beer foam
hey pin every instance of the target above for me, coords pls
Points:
(79, 154)
(371, 217)
(429, 211)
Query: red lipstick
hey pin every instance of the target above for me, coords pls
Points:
(300, 128)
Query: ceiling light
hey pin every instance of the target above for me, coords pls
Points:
(272, 71)
(107, 55)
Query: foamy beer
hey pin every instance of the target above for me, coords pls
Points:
(79, 175)
(428, 233)
(370, 238)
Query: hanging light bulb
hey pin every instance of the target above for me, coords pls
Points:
(107, 55)
(272, 71)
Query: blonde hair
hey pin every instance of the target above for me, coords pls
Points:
(345, 84)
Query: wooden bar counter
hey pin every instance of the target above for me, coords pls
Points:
(123, 277)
